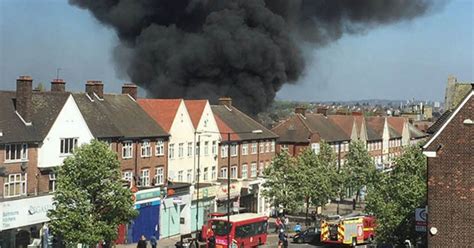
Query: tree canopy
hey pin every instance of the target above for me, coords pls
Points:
(90, 200)
(394, 196)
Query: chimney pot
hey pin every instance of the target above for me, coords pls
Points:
(58, 85)
(95, 86)
(227, 101)
(300, 110)
(130, 89)
(322, 110)
(24, 92)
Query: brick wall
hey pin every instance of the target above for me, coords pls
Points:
(450, 183)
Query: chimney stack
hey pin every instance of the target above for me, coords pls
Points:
(300, 110)
(227, 101)
(130, 89)
(322, 110)
(96, 87)
(24, 92)
(58, 85)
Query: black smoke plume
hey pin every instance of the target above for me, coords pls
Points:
(245, 49)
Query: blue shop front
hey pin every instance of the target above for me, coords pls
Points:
(147, 223)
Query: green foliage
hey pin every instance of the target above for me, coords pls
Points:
(90, 200)
(280, 182)
(360, 168)
(394, 196)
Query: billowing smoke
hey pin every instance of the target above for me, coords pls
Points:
(245, 49)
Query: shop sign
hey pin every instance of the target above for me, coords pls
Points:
(147, 194)
(25, 212)
(205, 192)
(234, 191)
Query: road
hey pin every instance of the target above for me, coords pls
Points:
(272, 241)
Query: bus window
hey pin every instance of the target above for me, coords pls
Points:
(244, 231)
(221, 227)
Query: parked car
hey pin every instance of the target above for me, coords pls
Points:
(310, 235)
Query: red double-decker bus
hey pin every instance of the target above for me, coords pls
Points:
(244, 230)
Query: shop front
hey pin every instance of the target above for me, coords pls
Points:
(202, 207)
(147, 202)
(222, 197)
(175, 210)
(24, 220)
(251, 199)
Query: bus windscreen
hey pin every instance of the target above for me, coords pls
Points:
(221, 227)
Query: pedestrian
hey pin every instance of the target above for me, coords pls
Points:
(142, 242)
(297, 227)
(282, 239)
(211, 239)
(278, 224)
(287, 222)
(153, 241)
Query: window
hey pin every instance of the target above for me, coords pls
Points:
(189, 176)
(267, 146)
(171, 151)
(68, 145)
(145, 177)
(315, 148)
(245, 149)
(233, 172)
(146, 149)
(284, 147)
(253, 170)
(205, 176)
(260, 168)
(206, 148)
(224, 151)
(159, 176)
(273, 146)
(224, 172)
(127, 149)
(245, 171)
(108, 142)
(233, 150)
(127, 175)
(160, 148)
(180, 176)
(190, 149)
(16, 152)
(262, 147)
(15, 185)
(254, 147)
(52, 182)
(260, 173)
(214, 147)
(180, 150)
(213, 173)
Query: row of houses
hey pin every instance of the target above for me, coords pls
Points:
(175, 154)
(384, 136)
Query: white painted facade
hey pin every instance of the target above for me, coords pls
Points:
(69, 124)
(207, 133)
(182, 134)
(385, 141)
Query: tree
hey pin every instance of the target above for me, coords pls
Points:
(393, 197)
(360, 167)
(280, 183)
(90, 200)
(316, 175)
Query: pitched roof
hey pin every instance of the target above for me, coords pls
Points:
(223, 128)
(195, 110)
(415, 132)
(46, 107)
(163, 111)
(292, 130)
(374, 127)
(327, 129)
(396, 123)
(440, 122)
(345, 122)
(241, 123)
(117, 116)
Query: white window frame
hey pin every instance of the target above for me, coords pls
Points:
(180, 150)
(213, 172)
(224, 151)
(273, 146)
(260, 168)
(233, 172)
(12, 180)
(159, 175)
(284, 147)
(214, 147)
(253, 169)
(233, 150)
(189, 176)
(267, 146)
(180, 176)
(127, 175)
(245, 173)
(160, 148)
(67, 146)
(171, 151)
(245, 149)
(145, 149)
(206, 148)
(23, 152)
(189, 149)
(261, 147)
(127, 147)
(145, 177)
(223, 172)
(205, 173)
(52, 181)
(254, 148)
(315, 147)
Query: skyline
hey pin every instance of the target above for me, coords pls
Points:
(71, 39)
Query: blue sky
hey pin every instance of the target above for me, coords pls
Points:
(403, 61)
